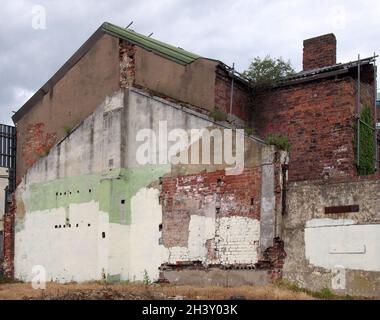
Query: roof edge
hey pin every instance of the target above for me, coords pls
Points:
(72, 61)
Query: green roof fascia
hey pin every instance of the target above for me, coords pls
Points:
(176, 54)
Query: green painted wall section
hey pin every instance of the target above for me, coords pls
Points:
(113, 190)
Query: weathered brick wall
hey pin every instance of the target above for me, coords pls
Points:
(317, 118)
(241, 96)
(37, 143)
(127, 53)
(8, 240)
(214, 195)
(319, 52)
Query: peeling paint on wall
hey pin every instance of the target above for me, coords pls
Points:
(89, 211)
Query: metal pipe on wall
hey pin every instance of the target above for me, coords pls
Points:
(375, 93)
(358, 115)
(232, 87)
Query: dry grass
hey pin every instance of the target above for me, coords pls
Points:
(138, 291)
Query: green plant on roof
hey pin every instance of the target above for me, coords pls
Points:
(367, 145)
(279, 141)
(249, 131)
(67, 129)
(218, 115)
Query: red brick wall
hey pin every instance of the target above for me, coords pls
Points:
(241, 96)
(37, 143)
(235, 194)
(8, 264)
(316, 117)
(319, 52)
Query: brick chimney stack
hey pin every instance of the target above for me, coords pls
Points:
(319, 52)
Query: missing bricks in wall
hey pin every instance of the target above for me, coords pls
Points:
(342, 209)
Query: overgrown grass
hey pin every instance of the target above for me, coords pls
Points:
(324, 293)
(5, 280)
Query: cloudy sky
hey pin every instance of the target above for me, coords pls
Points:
(231, 31)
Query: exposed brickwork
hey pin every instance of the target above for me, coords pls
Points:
(317, 118)
(37, 143)
(234, 195)
(273, 260)
(319, 52)
(8, 264)
(127, 64)
(241, 96)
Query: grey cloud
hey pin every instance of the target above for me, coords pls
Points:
(231, 31)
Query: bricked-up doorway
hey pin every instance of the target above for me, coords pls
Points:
(7, 177)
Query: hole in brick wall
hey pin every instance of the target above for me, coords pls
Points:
(69, 225)
(89, 224)
(89, 190)
(70, 192)
(122, 201)
(77, 191)
(64, 193)
(218, 182)
(64, 226)
(103, 234)
(56, 226)
(60, 193)
(252, 201)
(160, 180)
(217, 210)
(160, 227)
(59, 226)
(56, 193)
(77, 225)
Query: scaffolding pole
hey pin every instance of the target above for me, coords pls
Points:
(232, 88)
(375, 98)
(358, 115)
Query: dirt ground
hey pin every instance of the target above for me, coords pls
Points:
(139, 291)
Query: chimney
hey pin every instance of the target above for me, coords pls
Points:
(319, 52)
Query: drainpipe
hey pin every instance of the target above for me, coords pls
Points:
(375, 93)
(358, 114)
(232, 88)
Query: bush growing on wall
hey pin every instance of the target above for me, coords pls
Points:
(280, 141)
(366, 148)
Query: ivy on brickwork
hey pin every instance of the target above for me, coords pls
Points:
(279, 141)
(266, 72)
(366, 147)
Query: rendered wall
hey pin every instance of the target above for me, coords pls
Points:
(88, 210)
(338, 251)
(193, 83)
(72, 99)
